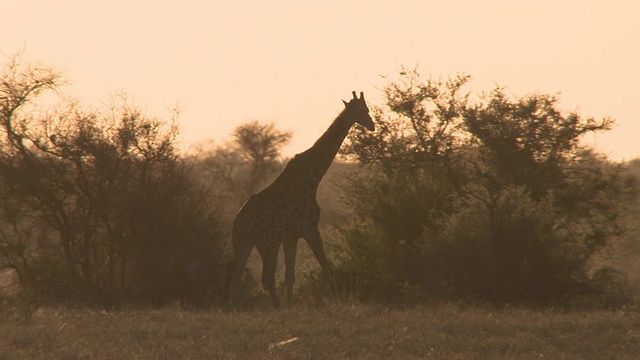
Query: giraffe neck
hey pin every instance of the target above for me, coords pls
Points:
(321, 154)
(329, 143)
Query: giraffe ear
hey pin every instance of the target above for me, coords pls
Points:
(345, 103)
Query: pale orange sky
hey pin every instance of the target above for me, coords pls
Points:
(292, 61)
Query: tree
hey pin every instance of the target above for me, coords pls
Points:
(408, 184)
(97, 208)
(244, 166)
(529, 141)
(530, 145)
(497, 200)
(419, 123)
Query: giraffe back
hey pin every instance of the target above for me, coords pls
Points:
(285, 210)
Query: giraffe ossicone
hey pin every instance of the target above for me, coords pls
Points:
(287, 209)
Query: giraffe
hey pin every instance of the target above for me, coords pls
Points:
(287, 209)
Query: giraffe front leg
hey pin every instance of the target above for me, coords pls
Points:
(290, 249)
(315, 243)
(242, 249)
(269, 264)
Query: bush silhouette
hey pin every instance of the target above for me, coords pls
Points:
(496, 200)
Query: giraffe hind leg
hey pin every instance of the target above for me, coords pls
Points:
(290, 248)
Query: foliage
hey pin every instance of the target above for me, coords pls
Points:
(509, 250)
(420, 123)
(243, 167)
(383, 247)
(496, 199)
(528, 141)
(97, 208)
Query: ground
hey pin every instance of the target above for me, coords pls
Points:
(337, 331)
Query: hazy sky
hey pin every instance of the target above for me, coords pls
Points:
(292, 61)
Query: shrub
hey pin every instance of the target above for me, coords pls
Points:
(98, 208)
(496, 200)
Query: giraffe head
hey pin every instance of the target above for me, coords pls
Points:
(359, 110)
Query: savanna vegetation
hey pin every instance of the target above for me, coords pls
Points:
(99, 207)
(466, 227)
(484, 198)
(491, 198)
(487, 199)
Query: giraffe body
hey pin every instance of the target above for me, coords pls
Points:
(287, 209)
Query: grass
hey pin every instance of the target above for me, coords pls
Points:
(345, 331)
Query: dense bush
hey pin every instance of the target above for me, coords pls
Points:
(509, 250)
(496, 200)
(98, 208)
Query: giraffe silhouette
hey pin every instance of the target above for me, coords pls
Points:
(287, 209)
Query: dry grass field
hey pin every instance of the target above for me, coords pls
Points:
(341, 331)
